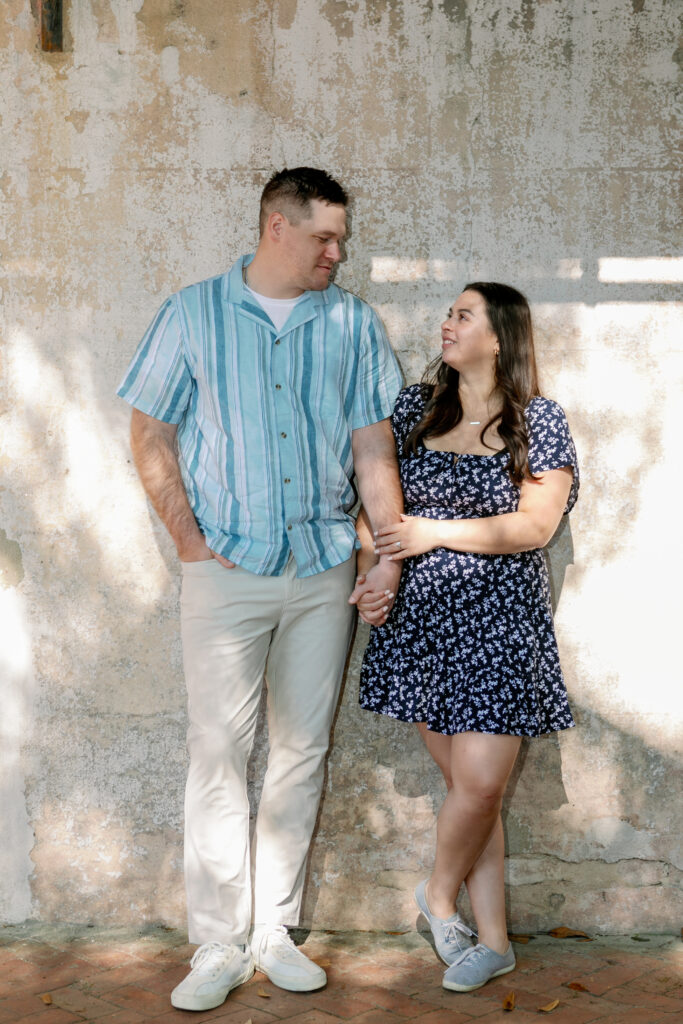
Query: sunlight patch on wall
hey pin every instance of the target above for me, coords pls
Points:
(15, 662)
(652, 270)
(76, 479)
(390, 270)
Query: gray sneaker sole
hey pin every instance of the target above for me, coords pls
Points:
(453, 986)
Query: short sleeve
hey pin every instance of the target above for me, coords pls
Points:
(158, 381)
(550, 442)
(407, 412)
(379, 376)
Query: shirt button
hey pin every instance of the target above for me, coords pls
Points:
(277, 342)
(278, 387)
(289, 527)
(287, 480)
(283, 434)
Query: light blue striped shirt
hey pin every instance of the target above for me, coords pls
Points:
(265, 417)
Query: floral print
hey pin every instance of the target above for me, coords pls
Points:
(469, 644)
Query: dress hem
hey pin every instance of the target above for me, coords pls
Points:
(456, 732)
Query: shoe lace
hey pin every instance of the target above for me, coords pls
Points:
(450, 931)
(288, 950)
(210, 958)
(473, 954)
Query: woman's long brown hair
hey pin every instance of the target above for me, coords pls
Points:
(516, 380)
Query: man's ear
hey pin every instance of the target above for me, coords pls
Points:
(275, 225)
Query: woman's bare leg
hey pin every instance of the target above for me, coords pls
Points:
(486, 889)
(468, 821)
(439, 746)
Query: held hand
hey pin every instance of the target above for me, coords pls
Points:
(373, 608)
(412, 536)
(375, 592)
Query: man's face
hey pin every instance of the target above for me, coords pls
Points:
(311, 248)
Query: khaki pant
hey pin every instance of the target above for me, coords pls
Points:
(236, 627)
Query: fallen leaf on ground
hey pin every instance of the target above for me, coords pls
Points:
(550, 1006)
(569, 933)
(520, 938)
(262, 992)
(324, 963)
(509, 1001)
(577, 986)
(47, 999)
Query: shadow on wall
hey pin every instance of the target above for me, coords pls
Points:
(106, 746)
(376, 832)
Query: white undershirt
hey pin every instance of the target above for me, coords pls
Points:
(277, 309)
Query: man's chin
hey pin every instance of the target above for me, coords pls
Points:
(323, 279)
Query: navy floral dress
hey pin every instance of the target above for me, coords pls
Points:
(469, 645)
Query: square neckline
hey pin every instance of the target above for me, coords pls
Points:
(463, 455)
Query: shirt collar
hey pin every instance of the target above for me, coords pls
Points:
(235, 292)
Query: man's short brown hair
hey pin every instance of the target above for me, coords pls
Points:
(291, 192)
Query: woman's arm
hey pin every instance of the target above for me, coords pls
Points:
(541, 504)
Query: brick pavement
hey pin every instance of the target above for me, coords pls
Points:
(62, 975)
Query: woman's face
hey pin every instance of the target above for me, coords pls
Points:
(467, 338)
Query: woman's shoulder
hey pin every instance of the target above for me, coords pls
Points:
(409, 409)
(542, 411)
(412, 398)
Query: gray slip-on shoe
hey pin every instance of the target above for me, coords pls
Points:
(452, 937)
(477, 966)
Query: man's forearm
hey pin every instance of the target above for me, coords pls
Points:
(156, 460)
(374, 456)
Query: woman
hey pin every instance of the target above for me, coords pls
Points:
(468, 652)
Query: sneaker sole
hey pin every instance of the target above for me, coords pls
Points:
(452, 986)
(208, 1002)
(293, 984)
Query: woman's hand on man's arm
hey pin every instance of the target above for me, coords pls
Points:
(541, 505)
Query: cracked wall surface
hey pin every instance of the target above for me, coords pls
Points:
(529, 141)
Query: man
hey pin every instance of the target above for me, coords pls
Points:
(256, 396)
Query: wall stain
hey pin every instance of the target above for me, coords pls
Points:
(79, 119)
(286, 12)
(455, 10)
(528, 15)
(340, 14)
(11, 562)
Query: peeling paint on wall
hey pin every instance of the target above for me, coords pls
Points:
(11, 564)
(522, 141)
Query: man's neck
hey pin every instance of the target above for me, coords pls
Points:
(266, 279)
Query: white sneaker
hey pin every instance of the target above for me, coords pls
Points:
(286, 966)
(216, 970)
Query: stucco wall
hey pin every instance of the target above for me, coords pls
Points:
(529, 141)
